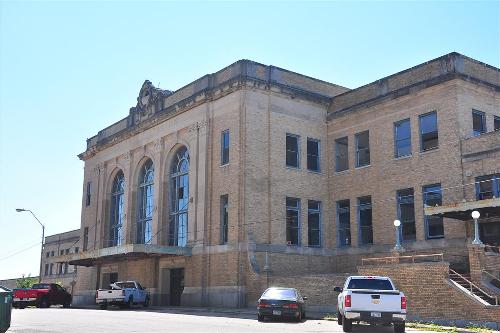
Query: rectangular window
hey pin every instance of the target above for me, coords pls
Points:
(76, 249)
(85, 238)
(51, 269)
(478, 122)
(89, 194)
(314, 223)
(224, 147)
(432, 197)
(46, 269)
(51, 253)
(343, 223)
(66, 251)
(224, 218)
(48, 253)
(496, 123)
(362, 149)
(428, 131)
(406, 213)
(402, 138)
(292, 151)
(61, 252)
(292, 221)
(313, 155)
(66, 268)
(341, 154)
(365, 220)
(488, 187)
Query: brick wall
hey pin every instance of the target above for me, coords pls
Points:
(430, 293)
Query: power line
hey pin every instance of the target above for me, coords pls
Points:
(20, 251)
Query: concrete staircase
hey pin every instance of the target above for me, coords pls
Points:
(464, 280)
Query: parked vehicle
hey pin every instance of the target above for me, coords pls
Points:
(282, 303)
(371, 299)
(124, 294)
(41, 295)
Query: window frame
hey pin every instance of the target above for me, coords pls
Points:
(495, 185)
(88, 194)
(224, 219)
(361, 207)
(337, 155)
(420, 117)
(224, 151)
(339, 211)
(296, 209)
(399, 201)
(425, 192)
(145, 203)
(319, 229)
(358, 150)
(496, 123)
(396, 140)
(317, 157)
(482, 116)
(297, 153)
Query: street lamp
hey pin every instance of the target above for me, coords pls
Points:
(43, 238)
(475, 215)
(398, 247)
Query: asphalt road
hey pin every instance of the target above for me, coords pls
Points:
(153, 320)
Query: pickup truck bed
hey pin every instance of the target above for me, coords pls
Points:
(123, 294)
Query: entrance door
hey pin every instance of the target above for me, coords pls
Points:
(490, 233)
(176, 285)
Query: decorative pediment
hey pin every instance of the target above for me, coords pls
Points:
(149, 101)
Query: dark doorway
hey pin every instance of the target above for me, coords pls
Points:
(108, 278)
(489, 232)
(176, 285)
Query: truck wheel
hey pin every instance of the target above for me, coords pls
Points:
(44, 303)
(339, 318)
(22, 306)
(399, 327)
(146, 302)
(346, 325)
(260, 317)
(67, 303)
(103, 306)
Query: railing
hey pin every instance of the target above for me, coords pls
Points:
(490, 275)
(472, 285)
(491, 248)
(402, 259)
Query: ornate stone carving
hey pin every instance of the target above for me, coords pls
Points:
(157, 145)
(199, 125)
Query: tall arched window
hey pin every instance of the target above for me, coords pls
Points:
(180, 198)
(145, 203)
(116, 215)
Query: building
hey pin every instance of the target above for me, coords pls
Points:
(55, 269)
(206, 194)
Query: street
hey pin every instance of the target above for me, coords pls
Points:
(61, 320)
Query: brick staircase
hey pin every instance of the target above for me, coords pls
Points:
(464, 280)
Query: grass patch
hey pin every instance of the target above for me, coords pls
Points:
(432, 327)
(330, 317)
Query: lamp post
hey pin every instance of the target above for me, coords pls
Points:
(398, 247)
(475, 215)
(43, 239)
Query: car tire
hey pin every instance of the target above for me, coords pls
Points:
(22, 306)
(299, 317)
(260, 317)
(103, 306)
(346, 325)
(339, 318)
(399, 327)
(146, 302)
(44, 303)
(67, 303)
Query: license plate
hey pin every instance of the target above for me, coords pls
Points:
(376, 314)
(276, 312)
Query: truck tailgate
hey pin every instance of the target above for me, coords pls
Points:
(109, 294)
(376, 301)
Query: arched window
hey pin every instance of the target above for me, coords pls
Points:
(145, 203)
(180, 198)
(116, 215)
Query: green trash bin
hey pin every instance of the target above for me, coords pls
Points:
(5, 308)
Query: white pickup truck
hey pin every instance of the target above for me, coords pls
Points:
(371, 299)
(124, 294)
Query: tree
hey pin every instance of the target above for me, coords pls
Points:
(26, 281)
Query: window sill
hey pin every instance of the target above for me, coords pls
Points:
(428, 151)
(402, 157)
(224, 165)
(362, 167)
(315, 172)
(292, 168)
(342, 172)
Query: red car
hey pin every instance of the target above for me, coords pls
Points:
(41, 295)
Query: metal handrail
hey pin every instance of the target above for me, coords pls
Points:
(471, 284)
(490, 275)
(412, 257)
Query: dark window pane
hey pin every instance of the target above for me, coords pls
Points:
(496, 123)
(275, 293)
(488, 187)
(428, 131)
(292, 151)
(224, 218)
(362, 149)
(402, 141)
(344, 223)
(313, 155)
(225, 147)
(406, 210)
(341, 154)
(292, 221)
(365, 220)
(313, 223)
(374, 284)
(432, 197)
(478, 122)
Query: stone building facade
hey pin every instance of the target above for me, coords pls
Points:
(254, 171)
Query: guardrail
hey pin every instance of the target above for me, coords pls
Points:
(491, 248)
(472, 285)
(404, 259)
(490, 275)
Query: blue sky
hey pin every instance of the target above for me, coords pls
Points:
(69, 69)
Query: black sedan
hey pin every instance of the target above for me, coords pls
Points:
(282, 303)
